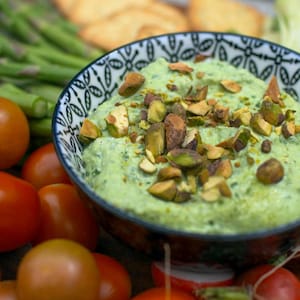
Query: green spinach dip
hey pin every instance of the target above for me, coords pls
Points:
(198, 146)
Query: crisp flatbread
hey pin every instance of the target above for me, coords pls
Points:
(225, 16)
(132, 24)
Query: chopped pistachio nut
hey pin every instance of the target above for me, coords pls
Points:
(150, 156)
(195, 121)
(224, 168)
(243, 114)
(147, 166)
(272, 113)
(155, 139)
(192, 139)
(165, 190)
(184, 158)
(221, 113)
(214, 188)
(175, 131)
(273, 92)
(290, 115)
(169, 173)
(214, 152)
(179, 110)
(211, 195)
(259, 125)
(231, 86)
(133, 81)
(180, 67)
(288, 129)
(117, 122)
(89, 131)
(240, 140)
(200, 108)
(156, 112)
(182, 196)
(266, 146)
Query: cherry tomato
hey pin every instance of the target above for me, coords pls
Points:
(14, 133)
(8, 290)
(65, 215)
(282, 284)
(160, 293)
(42, 167)
(58, 269)
(191, 276)
(115, 282)
(19, 212)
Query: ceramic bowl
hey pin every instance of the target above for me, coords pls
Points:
(99, 80)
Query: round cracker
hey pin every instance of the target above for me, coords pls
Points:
(225, 16)
(86, 12)
(126, 26)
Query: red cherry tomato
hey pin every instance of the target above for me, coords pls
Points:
(65, 215)
(14, 134)
(19, 212)
(42, 167)
(8, 290)
(115, 282)
(190, 276)
(282, 284)
(160, 293)
(58, 269)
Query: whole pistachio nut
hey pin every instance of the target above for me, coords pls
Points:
(271, 171)
(184, 158)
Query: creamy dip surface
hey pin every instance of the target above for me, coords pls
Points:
(112, 164)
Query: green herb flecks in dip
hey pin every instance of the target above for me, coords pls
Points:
(221, 178)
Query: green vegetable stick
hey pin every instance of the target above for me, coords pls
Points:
(33, 106)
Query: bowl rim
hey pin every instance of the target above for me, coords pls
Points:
(152, 227)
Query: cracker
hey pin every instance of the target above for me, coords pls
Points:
(88, 11)
(225, 16)
(129, 25)
(64, 6)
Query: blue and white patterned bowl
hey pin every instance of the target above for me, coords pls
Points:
(99, 80)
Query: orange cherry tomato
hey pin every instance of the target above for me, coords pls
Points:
(19, 212)
(115, 282)
(8, 290)
(42, 167)
(14, 134)
(160, 293)
(58, 269)
(65, 215)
